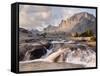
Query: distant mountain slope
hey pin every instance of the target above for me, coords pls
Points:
(25, 34)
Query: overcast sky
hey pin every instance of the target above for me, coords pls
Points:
(38, 17)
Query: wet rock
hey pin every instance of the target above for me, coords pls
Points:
(23, 48)
(37, 53)
(30, 52)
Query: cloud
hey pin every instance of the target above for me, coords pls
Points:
(33, 16)
(68, 12)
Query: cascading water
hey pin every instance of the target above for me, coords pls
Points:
(86, 57)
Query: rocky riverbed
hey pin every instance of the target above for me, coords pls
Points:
(36, 56)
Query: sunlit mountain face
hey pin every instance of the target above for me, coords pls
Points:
(79, 22)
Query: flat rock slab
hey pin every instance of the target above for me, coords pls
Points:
(39, 65)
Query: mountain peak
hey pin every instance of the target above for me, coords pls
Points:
(81, 16)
